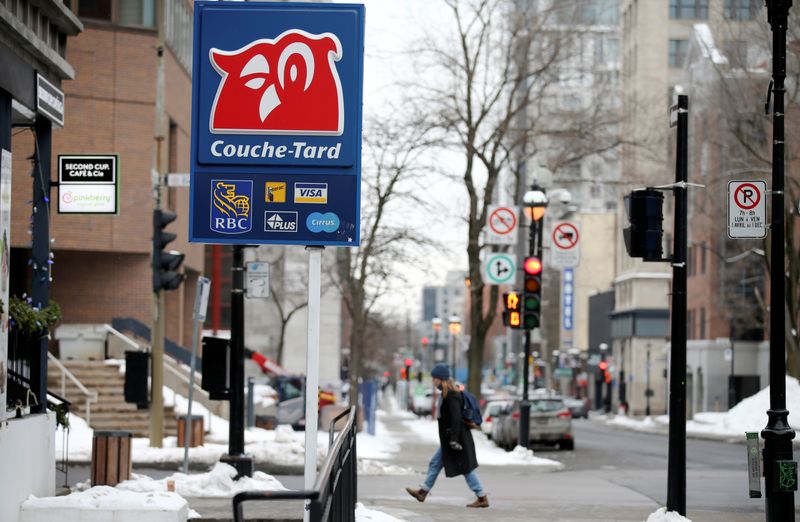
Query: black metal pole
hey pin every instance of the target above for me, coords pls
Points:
(676, 471)
(647, 391)
(623, 396)
(236, 456)
(40, 255)
(778, 434)
(525, 405)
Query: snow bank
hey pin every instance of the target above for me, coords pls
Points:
(662, 515)
(217, 483)
(371, 515)
(749, 415)
(106, 503)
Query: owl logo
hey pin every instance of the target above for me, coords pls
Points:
(288, 85)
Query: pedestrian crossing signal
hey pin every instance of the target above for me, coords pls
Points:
(511, 316)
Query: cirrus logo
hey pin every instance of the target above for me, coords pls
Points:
(327, 222)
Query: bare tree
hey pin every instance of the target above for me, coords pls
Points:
(391, 171)
(497, 75)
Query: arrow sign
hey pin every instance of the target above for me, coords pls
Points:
(498, 269)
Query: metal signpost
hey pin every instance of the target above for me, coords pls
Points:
(747, 209)
(501, 225)
(566, 251)
(200, 307)
(88, 184)
(276, 147)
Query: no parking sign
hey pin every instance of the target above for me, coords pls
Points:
(747, 209)
(566, 251)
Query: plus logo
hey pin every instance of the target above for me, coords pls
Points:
(230, 206)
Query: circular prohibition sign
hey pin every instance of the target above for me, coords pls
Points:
(565, 236)
(747, 196)
(502, 221)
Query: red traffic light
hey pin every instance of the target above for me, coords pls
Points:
(409, 362)
(602, 365)
(425, 341)
(533, 266)
(386, 374)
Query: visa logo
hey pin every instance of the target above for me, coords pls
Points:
(310, 192)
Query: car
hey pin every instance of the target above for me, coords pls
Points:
(490, 413)
(577, 407)
(422, 403)
(550, 424)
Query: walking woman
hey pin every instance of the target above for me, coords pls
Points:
(456, 452)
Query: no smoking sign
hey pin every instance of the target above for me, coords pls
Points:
(747, 209)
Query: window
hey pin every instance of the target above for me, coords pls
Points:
(688, 9)
(677, 52)
(702, 323)
(742, 9)
(135, 13)
(703, 257)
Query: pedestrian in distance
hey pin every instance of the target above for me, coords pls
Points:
(456, 452)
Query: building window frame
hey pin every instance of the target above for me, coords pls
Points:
(678, 52)
(742, 10)
(688, 9)
(114, 14)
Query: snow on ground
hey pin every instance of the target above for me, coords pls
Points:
(662, 515)
(487, 451)
(217, 483)
(749, 415)
(107, 498)
(371, 515)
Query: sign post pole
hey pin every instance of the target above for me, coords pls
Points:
(200, 306)
(312, 368)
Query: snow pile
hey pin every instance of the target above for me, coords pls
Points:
(627, 422)
(217, 483)
(382, 445)
(112, 499)
(264, 395)
(380, 468)
(662, 515)
(371, 515)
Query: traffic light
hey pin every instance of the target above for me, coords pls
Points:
(532, 293)
(165, 262)
(409, 363)
(511, 315)
(646, 215)
(603, 366)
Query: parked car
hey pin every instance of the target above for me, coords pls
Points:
(490, 413)
(577, 407)
(550, 423)
(422, 403)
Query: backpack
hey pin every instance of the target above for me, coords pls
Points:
(470, 411)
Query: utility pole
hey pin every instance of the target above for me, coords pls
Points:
(676, 463)
(780, 472)
(157, 330)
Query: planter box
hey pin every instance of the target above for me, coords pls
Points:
(82, 341)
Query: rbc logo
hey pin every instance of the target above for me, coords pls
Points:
(288, 85)
(230, 206)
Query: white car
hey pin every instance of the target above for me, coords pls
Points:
(490, 413)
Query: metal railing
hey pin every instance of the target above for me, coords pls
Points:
(335, 492)
(90, 395)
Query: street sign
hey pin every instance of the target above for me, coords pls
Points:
(566, 251)
(498, 269)
(257, 280)
(727, 354)
(49, 101)
(501, 225)
(88, 183)
(747, 209)
(178, 179)
(563, 373)
(276, 123)
(567, 299)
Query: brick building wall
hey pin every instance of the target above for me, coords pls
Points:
(102, 263)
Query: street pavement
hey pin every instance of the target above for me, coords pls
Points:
(613, 475)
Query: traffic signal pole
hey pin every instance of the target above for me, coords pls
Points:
(676, 464)
(779, 472)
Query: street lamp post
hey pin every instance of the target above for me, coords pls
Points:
(647, 391)
(535, 201)
(454, 327)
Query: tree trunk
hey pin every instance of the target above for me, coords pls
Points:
(356, 349)
(281, 342)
